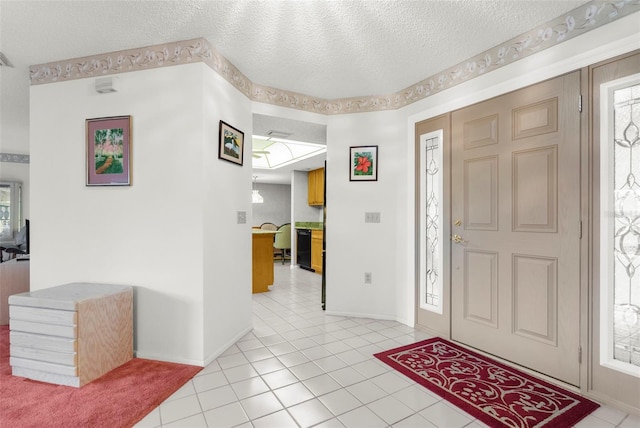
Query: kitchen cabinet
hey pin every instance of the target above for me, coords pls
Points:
(316, 250)
(262, 262)
(316, 187)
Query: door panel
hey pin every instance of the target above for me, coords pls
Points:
(534, 304)
(535, 119)
(481, 287)
(535, 188)
(481, 132)
(515, 258)
(481, 193)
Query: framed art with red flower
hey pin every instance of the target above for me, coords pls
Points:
(363, 163)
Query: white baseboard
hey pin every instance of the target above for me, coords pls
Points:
(201, 363)
(358, 315)
(215, 354)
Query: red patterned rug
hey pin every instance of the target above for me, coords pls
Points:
(496, 394)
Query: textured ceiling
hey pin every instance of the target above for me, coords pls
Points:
(327, 49)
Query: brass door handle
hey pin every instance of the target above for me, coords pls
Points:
(458, 239)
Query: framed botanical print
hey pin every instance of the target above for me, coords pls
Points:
(363, 163)
(109, 151)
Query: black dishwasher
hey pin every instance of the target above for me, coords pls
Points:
(304, 249)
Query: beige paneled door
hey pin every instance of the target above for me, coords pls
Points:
(515, 206)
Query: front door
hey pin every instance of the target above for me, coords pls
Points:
(515, 227)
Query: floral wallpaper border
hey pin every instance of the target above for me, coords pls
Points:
(15, 158)
(576, 22)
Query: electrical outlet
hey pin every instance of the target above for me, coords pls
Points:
(367, 277)
(373, 217)
(242, 217)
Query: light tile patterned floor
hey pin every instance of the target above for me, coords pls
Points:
(301, 368)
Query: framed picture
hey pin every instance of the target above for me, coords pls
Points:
(363, 163)
(230, 143)
(109, 151)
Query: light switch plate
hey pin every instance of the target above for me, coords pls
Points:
(242, 217)
(372, 217)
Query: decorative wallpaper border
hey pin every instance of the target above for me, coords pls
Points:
(150, 57)
(576, 22)
(15, 158)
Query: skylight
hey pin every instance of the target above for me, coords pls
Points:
(273, 153)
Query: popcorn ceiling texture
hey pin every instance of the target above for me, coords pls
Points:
(329, 57)
(552, 32)
(325, 49)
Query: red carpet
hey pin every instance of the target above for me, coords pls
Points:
(496, 394)
(120, 398)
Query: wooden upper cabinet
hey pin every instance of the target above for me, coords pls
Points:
(316, 187)
(312, 187)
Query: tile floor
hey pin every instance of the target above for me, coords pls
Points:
(300, 368)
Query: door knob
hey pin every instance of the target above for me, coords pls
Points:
(458, 239)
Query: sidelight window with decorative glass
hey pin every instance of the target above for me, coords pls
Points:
(620, 225)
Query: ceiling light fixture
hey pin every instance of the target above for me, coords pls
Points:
(278, 134)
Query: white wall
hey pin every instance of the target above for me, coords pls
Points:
(151, 234)
(14, 113)
(276, 207)
(353, 246)
(226, 191)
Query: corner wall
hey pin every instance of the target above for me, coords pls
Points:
(354, 247)
(225, 190)
(152, 234)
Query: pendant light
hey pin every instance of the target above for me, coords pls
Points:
(256, 197)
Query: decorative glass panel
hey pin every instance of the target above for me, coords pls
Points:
(431, 243)
(626, 160)
(620, 227)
